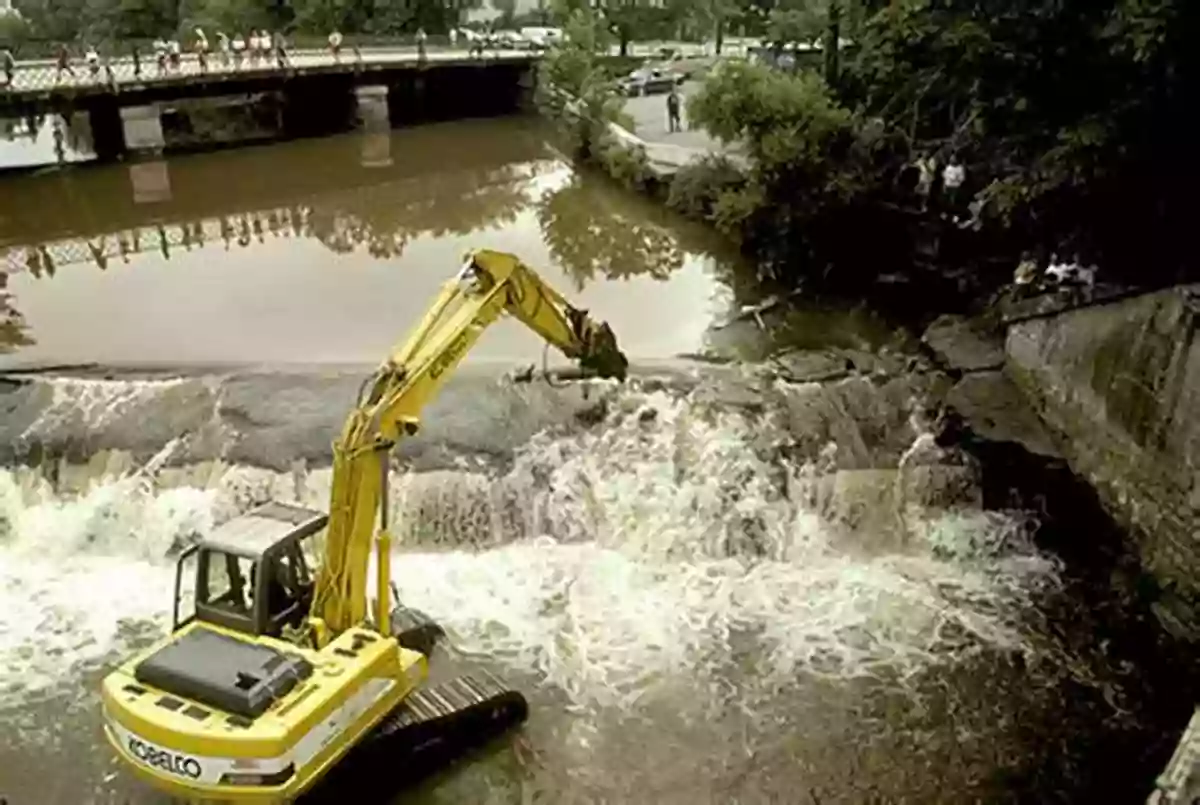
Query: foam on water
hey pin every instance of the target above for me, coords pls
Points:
(613, 561)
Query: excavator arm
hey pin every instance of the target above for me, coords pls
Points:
(489, 285)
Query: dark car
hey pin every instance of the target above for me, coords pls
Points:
(650, 81)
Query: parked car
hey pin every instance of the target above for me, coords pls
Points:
(650, 81)
(541, 37)
(507, 40)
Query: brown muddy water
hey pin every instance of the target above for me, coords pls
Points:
(714, 586)
(324, 251)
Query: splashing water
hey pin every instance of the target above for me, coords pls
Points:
(644, 555)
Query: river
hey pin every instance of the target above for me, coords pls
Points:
(715, 586)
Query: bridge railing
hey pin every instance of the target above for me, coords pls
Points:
(146, 67)
(38, 49)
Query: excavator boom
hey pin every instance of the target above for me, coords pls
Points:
(489, 285)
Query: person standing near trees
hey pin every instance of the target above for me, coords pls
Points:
(673, 111)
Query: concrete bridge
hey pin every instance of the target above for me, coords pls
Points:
(312, 93)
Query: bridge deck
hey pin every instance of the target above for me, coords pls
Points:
(41, 83)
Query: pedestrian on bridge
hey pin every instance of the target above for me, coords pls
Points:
(223, 49)
(421, 37)
(239, 49)
(260, 44)
(93, 62)
(335, 45)
(201, 48)
(160, 55)
(10, 65)
(62, 63)
(281, 54)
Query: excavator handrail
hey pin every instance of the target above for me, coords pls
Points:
(489, 285)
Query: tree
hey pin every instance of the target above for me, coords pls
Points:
(14, 30)
(627, 18)
(1067, 116)
(508, 11)
(53, 20)
(573, 85)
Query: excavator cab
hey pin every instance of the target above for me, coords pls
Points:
(254, 575)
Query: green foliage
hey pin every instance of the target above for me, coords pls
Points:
(575, 87)
(508, 12)
(112, 21)
(13, 30)
(628, 166)
(1066, 114)
(626, 18)
(698, 187)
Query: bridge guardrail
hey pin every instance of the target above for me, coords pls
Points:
(115, 72)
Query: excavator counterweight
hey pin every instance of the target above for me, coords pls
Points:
(277, 668)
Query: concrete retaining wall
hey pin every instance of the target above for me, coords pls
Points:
(1119, 383)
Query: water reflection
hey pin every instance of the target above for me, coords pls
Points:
(239, 217)
(37, 139)
(593, 231)
(13, 330)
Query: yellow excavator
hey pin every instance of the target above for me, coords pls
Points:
(277, 671)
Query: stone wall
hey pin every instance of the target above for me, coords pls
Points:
(1119, 384)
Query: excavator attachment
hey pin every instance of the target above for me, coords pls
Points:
(600, 355)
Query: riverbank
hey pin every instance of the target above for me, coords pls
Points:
(1070, 397)
(864, 581)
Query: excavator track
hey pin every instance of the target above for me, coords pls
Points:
(450, 718)
(429, 732)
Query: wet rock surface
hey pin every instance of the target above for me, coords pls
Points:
(965, 344)
(273, 418)
(1119, 385)
(999, 412)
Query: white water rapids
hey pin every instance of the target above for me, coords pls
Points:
(612, 562)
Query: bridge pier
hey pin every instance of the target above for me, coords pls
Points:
(375, 122)
(143, 129)
(108, 129)
(527, 85)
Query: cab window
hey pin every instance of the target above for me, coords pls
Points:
(230, 583)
